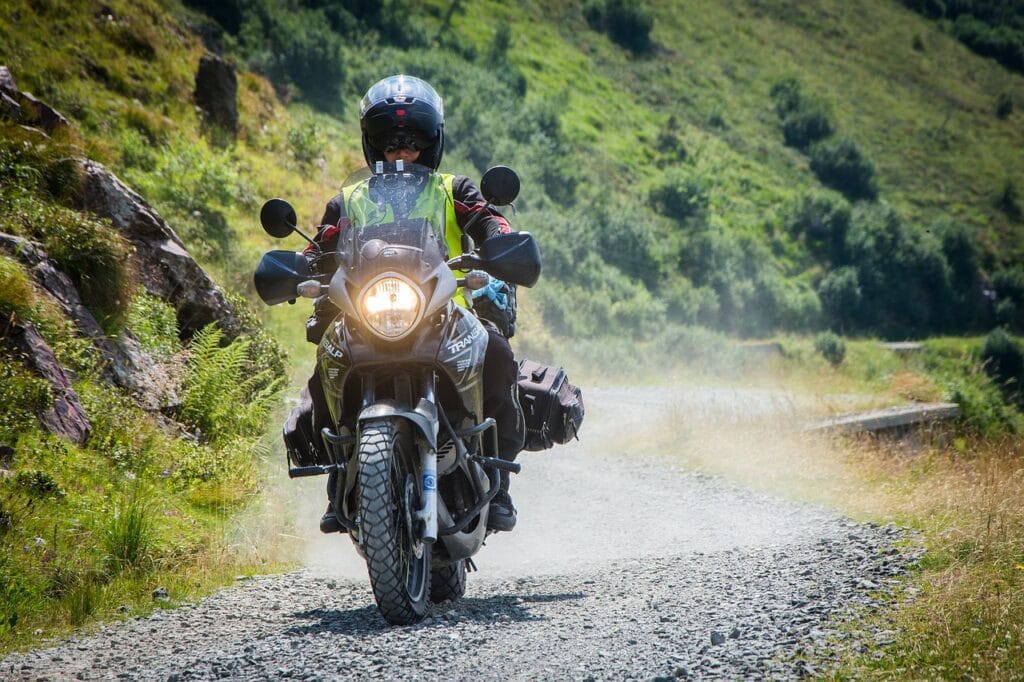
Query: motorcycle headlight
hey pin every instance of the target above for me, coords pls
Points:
(391, 306)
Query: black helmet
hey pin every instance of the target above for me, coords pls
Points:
(402, 111)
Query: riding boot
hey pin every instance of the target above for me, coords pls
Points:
(329, 522)
(501, 401)
(502, 515)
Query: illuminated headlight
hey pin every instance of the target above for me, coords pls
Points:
(391, 307)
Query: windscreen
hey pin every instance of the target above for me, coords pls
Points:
(399, 204)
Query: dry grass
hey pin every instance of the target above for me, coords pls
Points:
(965, 497)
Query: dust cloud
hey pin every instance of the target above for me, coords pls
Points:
(631, 487)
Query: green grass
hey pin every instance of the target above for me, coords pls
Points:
(87, 530)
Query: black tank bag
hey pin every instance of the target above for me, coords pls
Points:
(552, 406)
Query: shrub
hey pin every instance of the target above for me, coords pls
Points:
(625, 242)
(38, 484)
(840, 164)
(841, 298)
(1008, 284)
(806, 125)
(960, 250)
(1004, 362)
(902, 273)
(190, 184)
(681, 196)
(822, 221)
(669, 141)
(1004, 105)
(190, 176)
(750, 295)
(933, 9)
(593, 12)
(627, 23)
(295, 47)
(831, 347)
(305, 141)
(804, 120)
(1002, 43)
(787, 95)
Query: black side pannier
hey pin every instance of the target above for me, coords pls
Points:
(301, 443)
(553, 407)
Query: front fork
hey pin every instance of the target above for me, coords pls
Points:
(427, 429)
(427, 514)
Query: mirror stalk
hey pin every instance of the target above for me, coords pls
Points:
(315, 245)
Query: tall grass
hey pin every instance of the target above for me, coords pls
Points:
(129, 534)
(84, 601)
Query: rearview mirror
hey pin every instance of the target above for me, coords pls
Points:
(278, 218)
(500, 185)
(513, 257)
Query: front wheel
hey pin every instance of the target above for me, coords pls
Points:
(397, 560)
(448, 583)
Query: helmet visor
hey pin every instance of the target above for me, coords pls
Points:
(401, 138)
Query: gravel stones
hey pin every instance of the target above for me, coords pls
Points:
(645, 571)
(631, 619)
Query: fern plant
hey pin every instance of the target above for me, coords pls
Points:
(223, 398)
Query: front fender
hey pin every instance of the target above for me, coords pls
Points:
(424, 417)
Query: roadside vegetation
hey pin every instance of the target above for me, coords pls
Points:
(697, 177)
(957, 486)
(145, 512)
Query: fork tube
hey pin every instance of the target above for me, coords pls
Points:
(428, 467)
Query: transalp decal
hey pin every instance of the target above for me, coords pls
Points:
(465, 341)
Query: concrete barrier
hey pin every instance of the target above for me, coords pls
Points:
(898, 418)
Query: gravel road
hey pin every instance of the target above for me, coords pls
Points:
(619, 569)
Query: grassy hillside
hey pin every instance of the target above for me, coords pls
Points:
(149, 500)
(668, 166)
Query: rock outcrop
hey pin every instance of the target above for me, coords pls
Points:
(65, 417)
(126, 364)
(216, 91)
(24, 108)
(165, 268)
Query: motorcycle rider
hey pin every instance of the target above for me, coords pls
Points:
(402, 118)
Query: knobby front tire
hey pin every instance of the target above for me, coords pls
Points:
(398, 563)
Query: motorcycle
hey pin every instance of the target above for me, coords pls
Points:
(401, 368)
